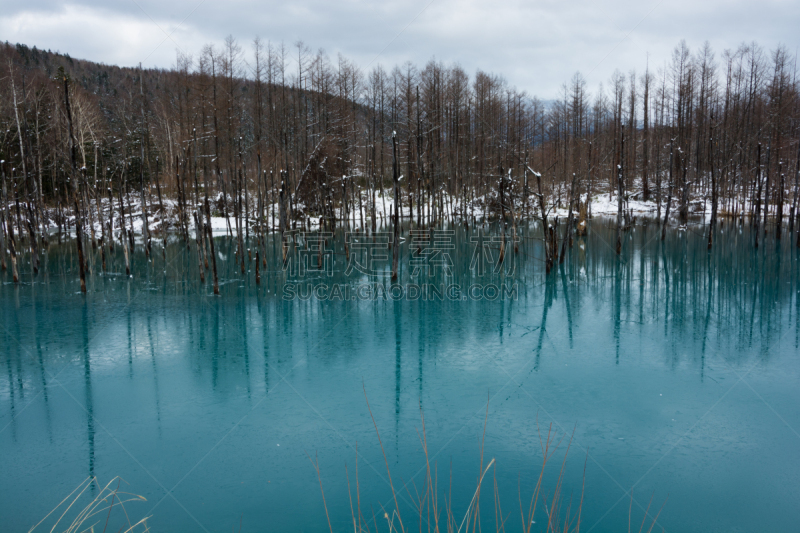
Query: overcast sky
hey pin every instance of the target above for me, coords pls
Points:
(536, 45)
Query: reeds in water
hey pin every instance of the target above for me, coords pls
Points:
(434, 511)
(80, 512)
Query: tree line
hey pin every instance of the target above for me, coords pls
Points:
(271, 137)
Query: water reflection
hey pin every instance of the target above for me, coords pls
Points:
(87, 385)
(733, 291)
(169, 369)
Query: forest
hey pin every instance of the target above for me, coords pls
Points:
(262, 137)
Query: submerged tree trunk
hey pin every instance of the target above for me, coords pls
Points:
(163, 213)
(198, 234)
(74, 179)
(100, 217)
(3, 220)
(396, 221)
(669, 194)
(795, 214)
(714, 195)
(546, 240)
(145, 222)
(513, 217)
(568, 231)
(282, 204)
(124, 232)
(757, 215)
(13, 253)
(780, 200)
(260, 206)
(502, 197)
(684, 210)
(767, 187)
(9, 228)
(210, 236)
(284, 211)
(619, 195)
(239, 222)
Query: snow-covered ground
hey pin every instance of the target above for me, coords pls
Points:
(601, 205)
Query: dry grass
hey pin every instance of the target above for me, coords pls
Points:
(434, 510)
(80, 512)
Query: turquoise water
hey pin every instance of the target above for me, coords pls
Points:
(677, 370)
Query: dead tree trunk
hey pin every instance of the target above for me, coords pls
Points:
(757, 215)
(145, 224)
(396, 221)
(714, 195)
(198, 234)
(243, 178)
(21, 137)
(123, 230)
(100, 217)
(767, 187)
(282, 208)
(513, 217)
(669, 194)
(546, 240)
(211, 245)
(568, 232)
(239, 222)
(780, 200)
(619, 195)
(3, 221)
(502, 197)
(8, 227)
(260, 207)
(793, 220)
(74, 179)
(12, 252)
(162, 211)
(282, 203)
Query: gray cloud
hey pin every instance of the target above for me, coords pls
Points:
(535, 46)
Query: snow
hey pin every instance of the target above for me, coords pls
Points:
(601, 205)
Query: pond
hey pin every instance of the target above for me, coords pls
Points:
(670, 371)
